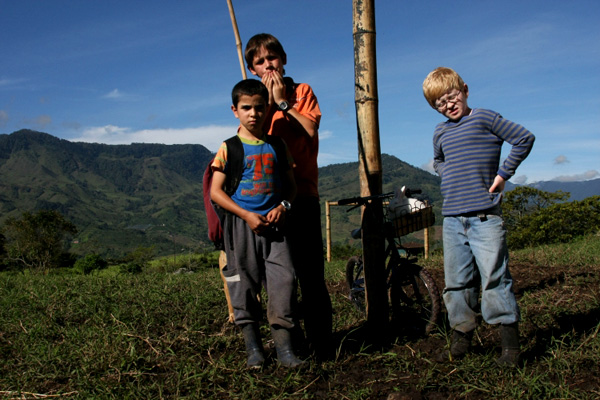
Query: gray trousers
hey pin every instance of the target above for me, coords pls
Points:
(252, 259)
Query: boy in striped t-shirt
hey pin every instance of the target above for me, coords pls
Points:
(467, 151)
(256, 247)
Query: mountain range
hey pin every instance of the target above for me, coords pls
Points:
(122, 197)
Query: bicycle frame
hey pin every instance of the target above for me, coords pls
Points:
(412, 291)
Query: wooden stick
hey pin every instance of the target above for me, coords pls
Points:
(223, 264)
(222, 255)
(238, 41)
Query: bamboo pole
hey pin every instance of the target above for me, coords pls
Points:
(238, 40)
(328, 228)
(426, 243)
(222, 255)
(370, 165)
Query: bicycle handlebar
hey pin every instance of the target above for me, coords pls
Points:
(363, 200)
(359, 201)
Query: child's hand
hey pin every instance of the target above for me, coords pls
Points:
(267, 80)
(274, 83)
(256, 222)
(498, 185)
(276, 216)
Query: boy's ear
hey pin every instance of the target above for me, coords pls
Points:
(466, 91)
(234, 109)
(252, 70)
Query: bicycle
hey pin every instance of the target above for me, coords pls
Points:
(413, 294)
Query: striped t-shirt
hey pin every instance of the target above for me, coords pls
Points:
(466, 155)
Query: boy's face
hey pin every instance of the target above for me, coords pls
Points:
(250, 110)
(453, 105)
(265, 62)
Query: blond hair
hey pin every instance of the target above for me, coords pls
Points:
(439, 82)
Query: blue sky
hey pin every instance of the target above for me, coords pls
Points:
(154, 71)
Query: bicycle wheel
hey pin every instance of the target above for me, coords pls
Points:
(355, 279)
(415, 297)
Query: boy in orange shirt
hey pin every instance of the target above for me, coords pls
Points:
(294, 115)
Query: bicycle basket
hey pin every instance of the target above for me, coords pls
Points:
(417, 219)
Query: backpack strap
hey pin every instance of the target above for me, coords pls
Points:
(235, 164)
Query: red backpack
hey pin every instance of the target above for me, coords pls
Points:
(214, 213)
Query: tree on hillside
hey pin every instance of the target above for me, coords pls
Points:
(37, 241)
(534, 217)
(524, 200)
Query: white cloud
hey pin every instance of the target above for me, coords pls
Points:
(114, 94)
(429, 167)
(519, 180)
(326, 134)
(591, 174)
(210, 136)
(561, 160)
(10, 82)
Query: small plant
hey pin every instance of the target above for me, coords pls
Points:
(345, 251)
(138, 260)
(90, 263)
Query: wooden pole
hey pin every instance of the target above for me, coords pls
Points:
(370, 165)
(426, 243)
(222, 255)
(238, 40)
(328, 228)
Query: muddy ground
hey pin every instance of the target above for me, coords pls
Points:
(527, 279)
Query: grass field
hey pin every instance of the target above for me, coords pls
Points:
(158, 335)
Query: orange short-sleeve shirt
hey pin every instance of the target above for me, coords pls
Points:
(304, 149)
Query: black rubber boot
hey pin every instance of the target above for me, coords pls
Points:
(509, 337)
(285, 351)
(461, 344)
(254, 347)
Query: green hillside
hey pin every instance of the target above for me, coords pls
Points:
(122, 197)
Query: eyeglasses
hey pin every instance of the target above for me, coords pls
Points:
(442, 104)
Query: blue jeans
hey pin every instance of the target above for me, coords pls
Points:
(475, 254)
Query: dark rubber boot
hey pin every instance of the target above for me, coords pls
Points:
(461, 344)
(254, 347)
(509, 337)
(283, 345)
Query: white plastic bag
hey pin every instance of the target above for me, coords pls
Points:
(399, 204)
(416, 205)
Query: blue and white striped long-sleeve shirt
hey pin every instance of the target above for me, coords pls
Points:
(467, 158)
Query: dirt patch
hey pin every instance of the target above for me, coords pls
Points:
(528, 279)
